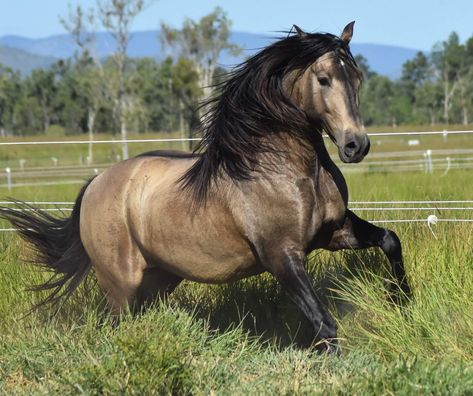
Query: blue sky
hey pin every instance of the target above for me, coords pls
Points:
(410, 23)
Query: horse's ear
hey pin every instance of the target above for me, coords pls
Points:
(347, 33)
(299, 31)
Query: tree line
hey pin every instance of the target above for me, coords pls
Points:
(434, 88)
(87, 94)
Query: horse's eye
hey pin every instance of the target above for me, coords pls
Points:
(324, 82)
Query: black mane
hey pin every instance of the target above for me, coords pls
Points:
(251, 104)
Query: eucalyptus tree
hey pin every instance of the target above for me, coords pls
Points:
(201, 42)
(449, 60)
(41, 85)
(10, 93)
(117, 17)
(89, 75)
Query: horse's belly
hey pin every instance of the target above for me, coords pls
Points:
(212, 269)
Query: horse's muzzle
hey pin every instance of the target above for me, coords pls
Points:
(355, 148)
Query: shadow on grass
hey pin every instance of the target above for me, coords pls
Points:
(264, 310)
(257, 304)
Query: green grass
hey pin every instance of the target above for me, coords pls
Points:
(247, 337)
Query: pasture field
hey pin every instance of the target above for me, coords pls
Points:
(247, 337)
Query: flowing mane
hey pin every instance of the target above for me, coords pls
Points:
(251, 105)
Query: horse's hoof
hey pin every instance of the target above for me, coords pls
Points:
(330, 347)
(400, 296)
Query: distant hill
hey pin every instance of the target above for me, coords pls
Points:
(383, 59)
(23, 61)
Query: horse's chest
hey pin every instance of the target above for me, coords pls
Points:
(331, 200)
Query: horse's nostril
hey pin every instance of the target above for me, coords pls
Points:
(352, 145)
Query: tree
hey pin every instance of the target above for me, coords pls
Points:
(428, 102)
(117, 17)
(363, 65)
(89, 74)
(448, 58)
(152, 83)
(185, 83)
(90, 83)
(202, 43)
(41, 85)
(10, 93)
(415, 72)
(376, 96)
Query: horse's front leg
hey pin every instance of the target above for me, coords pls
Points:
(287, 264)
(357, 233)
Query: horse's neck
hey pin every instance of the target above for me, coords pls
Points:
(289, 155)
(307, 159)
(303, 157)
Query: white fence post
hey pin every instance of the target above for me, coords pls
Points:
(9, 181)
(429, 166)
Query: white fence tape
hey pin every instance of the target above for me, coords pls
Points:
(171, 140)
(44, 206)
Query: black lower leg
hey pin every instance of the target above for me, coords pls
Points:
(391, 246)
(360, 234)
(289, 270)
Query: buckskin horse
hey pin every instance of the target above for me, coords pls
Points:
(261, 194)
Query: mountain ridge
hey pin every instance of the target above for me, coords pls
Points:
(384, 59)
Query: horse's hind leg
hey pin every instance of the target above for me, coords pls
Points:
(119, 269)
(357, 233)
(156, 284)
(120, 287)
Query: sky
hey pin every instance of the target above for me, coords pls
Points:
(415, 24)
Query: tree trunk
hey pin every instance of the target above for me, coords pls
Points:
(46, 121)
(181, 124)
(194, 123)
(464, 102)
(90, 127)
(432, 117)
(446, 103)
(124, 136)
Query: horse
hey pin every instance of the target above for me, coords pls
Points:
(258, 194)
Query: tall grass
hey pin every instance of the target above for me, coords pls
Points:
(247, 337)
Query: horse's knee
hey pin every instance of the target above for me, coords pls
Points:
(391, 244)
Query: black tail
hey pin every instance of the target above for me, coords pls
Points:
(57, 246)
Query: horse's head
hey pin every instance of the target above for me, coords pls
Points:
(328, 93)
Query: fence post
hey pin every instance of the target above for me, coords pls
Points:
(449, 165)
(8, 174)
(429, 167)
